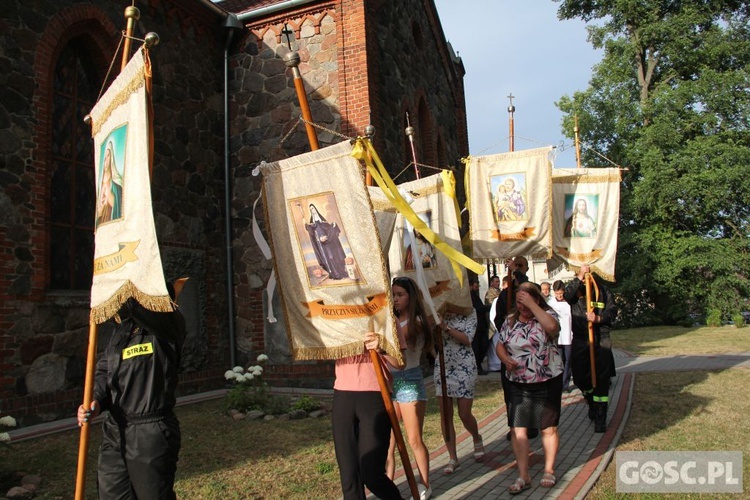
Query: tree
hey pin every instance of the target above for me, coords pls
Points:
(671, 101)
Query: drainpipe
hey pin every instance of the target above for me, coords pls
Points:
(232, 25)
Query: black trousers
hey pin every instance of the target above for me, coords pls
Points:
(479, 344)
(361, 433)
(581, 367)
(138, 461)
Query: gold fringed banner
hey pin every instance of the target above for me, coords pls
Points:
(586, 216)
(510, 208)
(331, 273)
(434, 205)
(127, 262)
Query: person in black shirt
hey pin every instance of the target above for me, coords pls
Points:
(602, 316)
(136, 379)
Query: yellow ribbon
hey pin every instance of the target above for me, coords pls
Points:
(449, 186)
(364, 151)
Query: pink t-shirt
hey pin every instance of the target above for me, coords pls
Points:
(356, 373)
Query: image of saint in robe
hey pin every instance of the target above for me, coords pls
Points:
(326, 244)
(580, 224)
(109, 204)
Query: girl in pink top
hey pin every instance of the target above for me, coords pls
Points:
(361, 426)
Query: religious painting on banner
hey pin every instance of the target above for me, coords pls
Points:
(509, 198)
(586, 215)
(436, 208)
(127, 261)
(324, 235)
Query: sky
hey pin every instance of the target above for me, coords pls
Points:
(518, 47)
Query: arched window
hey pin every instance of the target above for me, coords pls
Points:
(75, 85)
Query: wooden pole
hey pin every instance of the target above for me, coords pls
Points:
(132, 14)
(578, 143)
(88, 394)
(511, 125)
(590, 308)
(292, 60)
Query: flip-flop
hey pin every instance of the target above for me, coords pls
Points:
(518, 486)
(548, 480)
(451, 467)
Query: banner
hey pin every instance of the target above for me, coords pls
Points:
(331, 273)
(586, 215)
(509, 198)
(434, 205)
(127, 262)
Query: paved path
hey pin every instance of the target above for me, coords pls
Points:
(582, 456)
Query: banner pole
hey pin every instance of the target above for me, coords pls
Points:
(590, 308)
(88, 391)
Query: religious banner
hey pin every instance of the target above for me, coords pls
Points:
(586, 215)
(385, 216)
(509, 199)
(411, 251)
(127, 262)
(331, 273)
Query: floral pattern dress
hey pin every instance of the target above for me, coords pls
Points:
(460, 362)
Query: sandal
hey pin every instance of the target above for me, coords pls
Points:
(478, 450)
(518, 486)
(451, 467)
(548, 480)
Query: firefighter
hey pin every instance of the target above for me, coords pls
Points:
(602, 316)
(135, 381)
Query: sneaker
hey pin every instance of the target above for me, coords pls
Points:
(424, 493)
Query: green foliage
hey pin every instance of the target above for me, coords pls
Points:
(669, 101)
(306, 403)
(713, 318)
(245, 397)
(738, 320)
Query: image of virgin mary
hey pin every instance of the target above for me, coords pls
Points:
(325, 242)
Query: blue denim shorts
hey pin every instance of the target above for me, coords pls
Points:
(408, 386)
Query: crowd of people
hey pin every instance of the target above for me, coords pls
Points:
(536, 336)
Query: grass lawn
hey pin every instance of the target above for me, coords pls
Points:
(223, 458)
(676, 340)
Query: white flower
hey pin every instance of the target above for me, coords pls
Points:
(249, 376)
(238, 369)
(262, 357)
(230, 375)
(8, 421)
(4, 437)
(257, 373)
(240, 378)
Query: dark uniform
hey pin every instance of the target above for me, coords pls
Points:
(597, 397)
(136, 379)
(481, 341)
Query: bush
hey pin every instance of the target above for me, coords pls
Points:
(713, 318)
(738, 319)
(306, 403)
